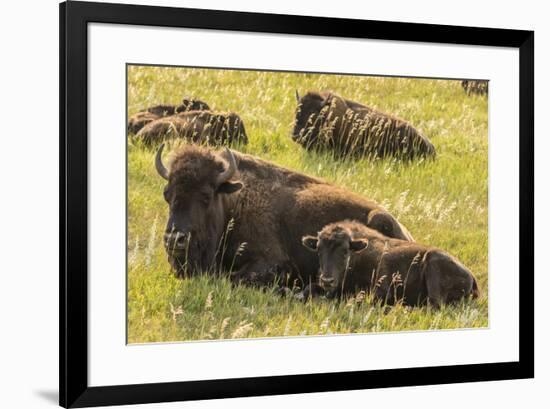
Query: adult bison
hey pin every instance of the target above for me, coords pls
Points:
(139, 120)
(246, 215)
(327, 121)
(213, 128)
(475, 87)
(354, 257)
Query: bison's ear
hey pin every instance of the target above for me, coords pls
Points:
(230, 187)
(310, 242)
(359, 245)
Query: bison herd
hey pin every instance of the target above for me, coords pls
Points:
(265, 224)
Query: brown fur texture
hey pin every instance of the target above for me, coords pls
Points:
(354, 257)
(139, 120)
(205, 127)
(327, 121)
(253, 224)
(475, 87)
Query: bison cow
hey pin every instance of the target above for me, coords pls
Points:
(354, 257)
(235, 212)
(327, 121)
(206, 127)
(139, 120)
(475, 87)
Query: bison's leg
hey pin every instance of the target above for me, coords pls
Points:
(443, 279)
(312, 290)
(446, 280)
(258, 274)
(383, 289)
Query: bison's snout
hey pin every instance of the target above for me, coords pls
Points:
(176, 240)
(326, 281)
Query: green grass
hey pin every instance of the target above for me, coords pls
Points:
(442, 203)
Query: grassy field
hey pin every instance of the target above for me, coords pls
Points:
(442, 203)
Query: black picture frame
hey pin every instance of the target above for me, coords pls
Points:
(73, 379)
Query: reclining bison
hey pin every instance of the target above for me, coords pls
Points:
(353, 257)
(139, 120)
(475, 87)
(326, 121)
(246, 215)
(206, 127)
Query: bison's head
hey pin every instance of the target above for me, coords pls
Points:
(309, 118)
(190, 104)
(199, 181)
(335, 247)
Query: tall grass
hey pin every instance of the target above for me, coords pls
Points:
(442, 202)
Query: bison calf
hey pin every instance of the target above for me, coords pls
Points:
(206, 127)
(327, 121)
(139, 120)
(353, 257)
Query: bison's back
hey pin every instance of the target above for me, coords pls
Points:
(417, 273)
(195, 126)
(368, 132)
(317, 205)
(139, 120)
(349, 128)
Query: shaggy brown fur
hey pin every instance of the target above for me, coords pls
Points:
(186, 105)
(472, 87)
(207, 127)
(328, 121)
(354, 257)
(268, 209)
(139, 120)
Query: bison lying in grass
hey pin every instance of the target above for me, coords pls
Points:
(353, 257)
(474, 87)
(327, 121)
(206, 127)
(246, 215)
(139, 120)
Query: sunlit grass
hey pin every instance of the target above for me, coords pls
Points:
(442, 202)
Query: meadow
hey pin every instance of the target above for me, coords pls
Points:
(444, 203)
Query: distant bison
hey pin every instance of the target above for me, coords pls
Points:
(353, 257)
(139, 120)
(206, 127)
(475, 87)
(246, 215)
(327, 121)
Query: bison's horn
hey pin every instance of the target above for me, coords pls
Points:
(231, 169)
(297, 96)
(161, 169)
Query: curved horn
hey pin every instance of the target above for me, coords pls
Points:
(231, 169)
(297, 96)
(161, 169)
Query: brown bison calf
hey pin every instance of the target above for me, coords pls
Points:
(327, 121)
(206, 127)
(353, 257)
(139, 120)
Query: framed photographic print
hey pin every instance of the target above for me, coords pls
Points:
(259, 204)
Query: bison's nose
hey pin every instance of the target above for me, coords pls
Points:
(176, 240)
(326, 280)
